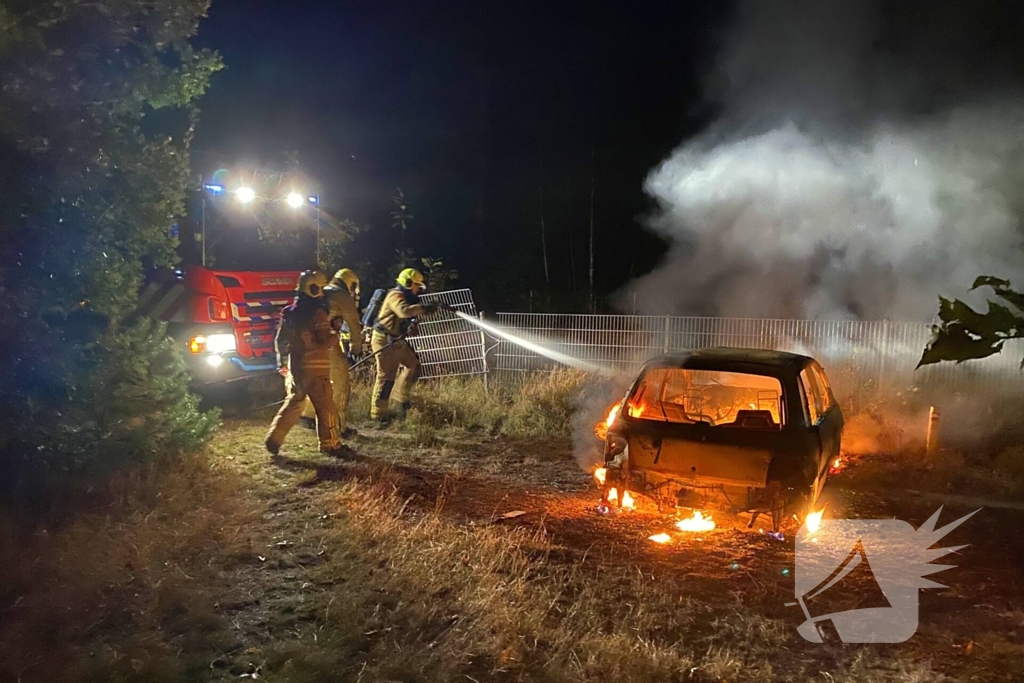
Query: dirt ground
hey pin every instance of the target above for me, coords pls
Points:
(972, 630)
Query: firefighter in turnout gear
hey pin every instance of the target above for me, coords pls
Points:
(304, 341)
(341, 298)
(351, 281)
(398, 366)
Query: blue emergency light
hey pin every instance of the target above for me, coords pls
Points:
(215, 189)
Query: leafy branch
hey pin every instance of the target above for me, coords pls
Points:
(966, 334)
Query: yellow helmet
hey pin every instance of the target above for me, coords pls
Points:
(311, 284)
(409, 277)
(349, 278)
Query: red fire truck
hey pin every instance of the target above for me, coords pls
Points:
(224, 320)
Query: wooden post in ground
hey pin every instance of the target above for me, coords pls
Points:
(931, 442)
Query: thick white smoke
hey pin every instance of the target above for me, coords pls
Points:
(861, 167)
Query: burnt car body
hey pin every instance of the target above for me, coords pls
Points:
(738, 429)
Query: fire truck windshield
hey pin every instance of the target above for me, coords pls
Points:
(244, 250)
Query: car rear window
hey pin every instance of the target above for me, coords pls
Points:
(722, 399)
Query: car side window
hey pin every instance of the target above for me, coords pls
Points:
(812, 396)
(826, 391)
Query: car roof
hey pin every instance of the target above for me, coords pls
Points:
(725, 358)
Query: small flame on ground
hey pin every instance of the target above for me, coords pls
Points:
(696, 522)
(599, 475)
(613, 495)
(627, 501)
(813, 521)
(838, 465)
(660, 538)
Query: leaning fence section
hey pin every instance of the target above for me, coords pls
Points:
(882, 355)
(449, 346)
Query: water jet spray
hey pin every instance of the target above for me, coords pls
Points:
(540, 349)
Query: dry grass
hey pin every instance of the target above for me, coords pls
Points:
(124, 592)
(531, 405)
(420, 598)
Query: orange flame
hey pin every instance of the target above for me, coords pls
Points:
(627, 501)
(635, 411)
(838, 465)
(599, 475)
(612, 414)
(613, 495)
(660, 538)
(601, 428)
(813, 521)
(696, 522)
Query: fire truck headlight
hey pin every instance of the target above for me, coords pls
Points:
(214, 343)
(245, 194)
(215, 361)
(295, 200)
(220, 343)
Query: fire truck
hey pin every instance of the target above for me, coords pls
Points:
(225, 321)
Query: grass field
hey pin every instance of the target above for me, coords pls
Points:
(400, 566)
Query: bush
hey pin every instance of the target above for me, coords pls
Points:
(120, 397)
(95, 173)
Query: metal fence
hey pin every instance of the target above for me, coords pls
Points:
(882, 355)
(449, 346)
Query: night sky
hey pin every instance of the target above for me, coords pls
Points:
(474, 109)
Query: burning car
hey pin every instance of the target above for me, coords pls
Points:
(736, 429)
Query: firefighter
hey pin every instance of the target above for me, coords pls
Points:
(398, 313)
(341, 297)
(304, 341)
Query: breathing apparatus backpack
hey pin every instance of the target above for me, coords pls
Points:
(373, 308)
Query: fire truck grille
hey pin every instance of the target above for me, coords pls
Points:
(257, 311)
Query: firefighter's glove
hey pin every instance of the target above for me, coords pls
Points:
(283, 370)
(431, 307)
(352, 358)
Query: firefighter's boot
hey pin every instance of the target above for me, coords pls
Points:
(380, 408)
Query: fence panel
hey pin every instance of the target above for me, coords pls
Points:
(880, 355)
(449, 346)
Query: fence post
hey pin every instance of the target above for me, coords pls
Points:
(483, 354)
(668, 331)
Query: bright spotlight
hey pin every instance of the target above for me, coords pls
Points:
(294, 200)
(245, 194)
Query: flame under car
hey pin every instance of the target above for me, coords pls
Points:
(737, 429)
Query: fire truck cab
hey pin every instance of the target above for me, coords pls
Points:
(225, 321)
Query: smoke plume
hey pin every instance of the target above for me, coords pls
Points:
(868, 157)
